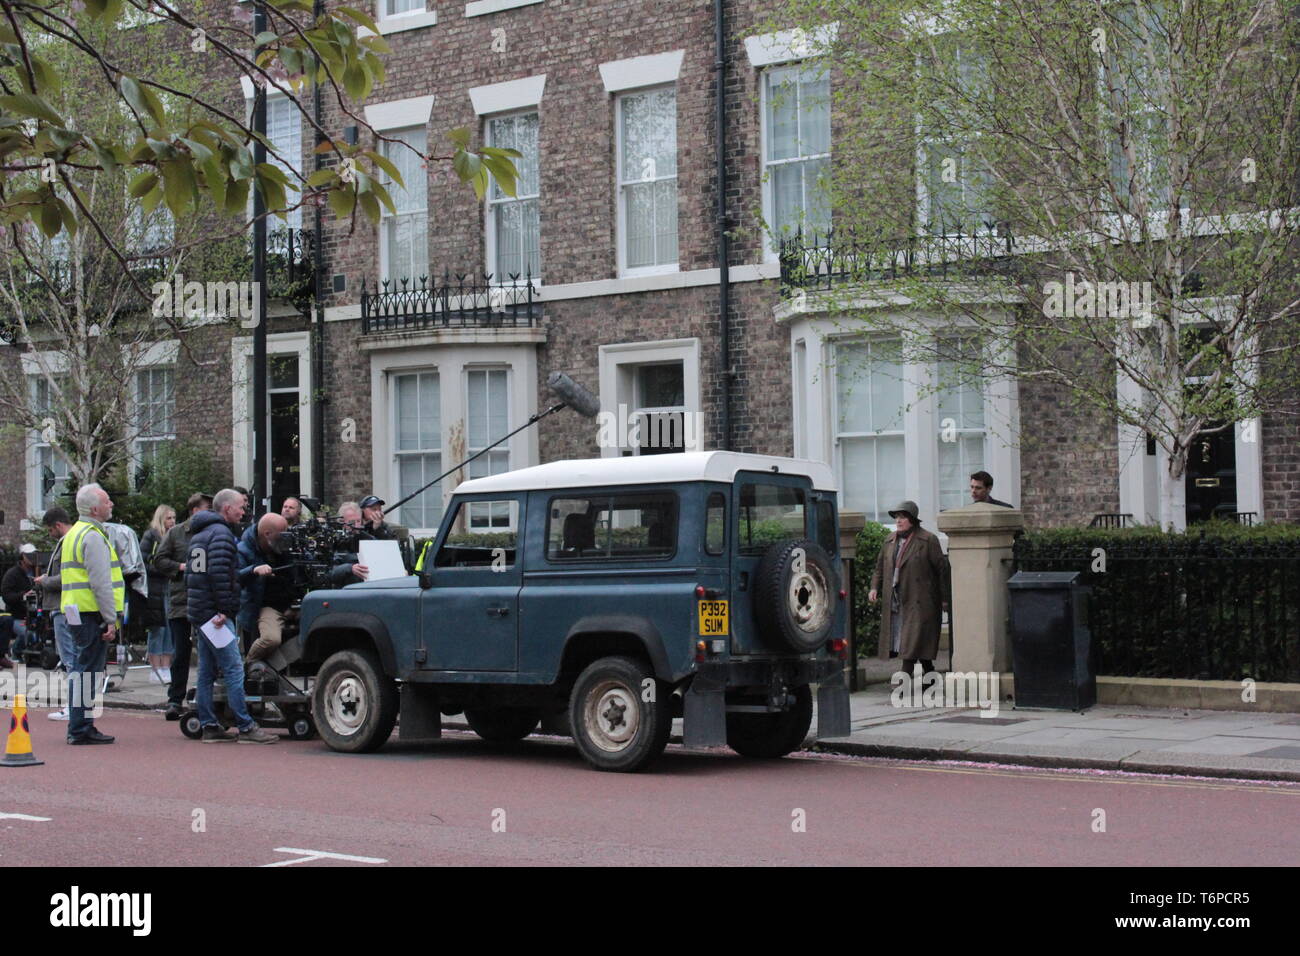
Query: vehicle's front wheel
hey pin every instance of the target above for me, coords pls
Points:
(620, 714)
(771, 735)
(354, 705)
(502, 725)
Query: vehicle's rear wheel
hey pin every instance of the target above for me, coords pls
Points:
(502, 725)
(354, 704)
(771, 735)
(614, 724)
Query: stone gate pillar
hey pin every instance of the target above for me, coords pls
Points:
(979, 549)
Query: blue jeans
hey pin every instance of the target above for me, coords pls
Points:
(64, 640)
(231, 665)
(83, 682)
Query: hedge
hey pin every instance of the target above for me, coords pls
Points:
(1219, 602)
(866, 616)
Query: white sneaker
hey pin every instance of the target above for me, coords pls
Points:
(57, 715)
(166, 673)
(156, 676)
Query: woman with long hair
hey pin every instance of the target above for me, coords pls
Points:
(155, 619)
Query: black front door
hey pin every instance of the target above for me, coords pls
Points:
(1212, 476)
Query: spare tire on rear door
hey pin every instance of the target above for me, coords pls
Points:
(795, 595)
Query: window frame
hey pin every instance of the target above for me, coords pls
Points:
(620, 185)
(486, 369)
(610, 495)
(385, 256)
(138, 458)
(395, 454)
(771, 235)
(838, 436)
(492, 204)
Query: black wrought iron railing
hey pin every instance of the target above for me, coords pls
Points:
(457, 301)
(1111, 520)
(1191, 607)
(820, 260)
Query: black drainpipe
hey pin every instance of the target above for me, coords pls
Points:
(724, 265)
(318, 296)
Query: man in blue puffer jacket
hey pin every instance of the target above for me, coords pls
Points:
(213, 598)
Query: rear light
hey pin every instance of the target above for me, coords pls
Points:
(700, 648)
(702, 592)
(838, 645)
(699, 590)
(843, 594)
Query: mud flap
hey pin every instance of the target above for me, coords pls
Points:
(833, 715)
(420, 718)
(704, 714)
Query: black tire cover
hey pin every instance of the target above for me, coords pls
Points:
(798, 617)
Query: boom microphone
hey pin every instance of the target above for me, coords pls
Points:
(573, 394)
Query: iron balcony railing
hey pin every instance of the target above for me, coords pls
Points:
(1194, 608)
(457, 301)
(820, 260)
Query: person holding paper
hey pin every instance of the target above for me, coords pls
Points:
(212, 607)
(348, 568)
(93, 594)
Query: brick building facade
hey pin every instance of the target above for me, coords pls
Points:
(619, 99)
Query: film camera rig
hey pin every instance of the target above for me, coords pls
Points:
(311, 549)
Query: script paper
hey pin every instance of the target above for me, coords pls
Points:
(384, 559)
(219, 636)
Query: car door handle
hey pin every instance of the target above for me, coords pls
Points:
(498, 611)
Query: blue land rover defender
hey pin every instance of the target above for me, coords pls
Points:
(619, 592)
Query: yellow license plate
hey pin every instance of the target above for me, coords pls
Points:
(713, 618)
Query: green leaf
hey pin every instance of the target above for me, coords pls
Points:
(370, 206)
(321, 177)
(214, 177)
(342, 202)
(29, 104)
(178, 186)
(142, 184)
(63, 138)
(68, 216)
(265, 38)
(385, 164)
(106, 155)
(356, 15)
(273, 173)
(199, 150)
(460, 136)
(469, 167)
(382, 194)
(51, 221)
(356, 80)
(237, 197)
(46, 77)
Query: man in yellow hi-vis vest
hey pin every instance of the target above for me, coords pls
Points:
(92, 595)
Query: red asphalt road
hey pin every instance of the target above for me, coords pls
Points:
(134, 803)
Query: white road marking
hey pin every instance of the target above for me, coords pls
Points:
(306, 856)
(24, 816)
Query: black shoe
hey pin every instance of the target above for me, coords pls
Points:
(94, 737)
(173, 712)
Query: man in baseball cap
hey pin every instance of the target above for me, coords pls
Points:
(372, 511)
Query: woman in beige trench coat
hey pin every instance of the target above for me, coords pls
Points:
(916, 596)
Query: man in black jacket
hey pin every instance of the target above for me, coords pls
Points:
(213, 602)
(169, 560)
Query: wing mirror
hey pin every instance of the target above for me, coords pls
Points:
(426, 579)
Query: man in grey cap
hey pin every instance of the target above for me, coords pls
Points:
(914, 567)
(15, 586)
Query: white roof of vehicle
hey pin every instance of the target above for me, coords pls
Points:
(647, 469)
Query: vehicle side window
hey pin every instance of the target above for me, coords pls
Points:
(612, 527)
(826, 527)
(468, 545)
(768, 514)
(715, 524)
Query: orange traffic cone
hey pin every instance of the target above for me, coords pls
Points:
(18, 749)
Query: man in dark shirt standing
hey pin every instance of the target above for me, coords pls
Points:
(981, 487)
